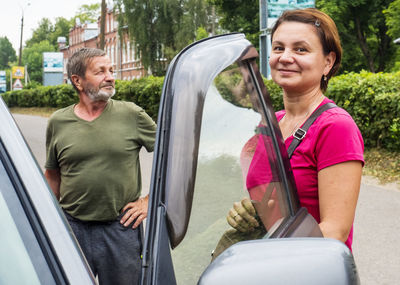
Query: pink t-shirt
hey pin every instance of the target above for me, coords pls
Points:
(332, 138)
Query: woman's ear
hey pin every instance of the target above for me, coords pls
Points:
(77, 81)
(329, 62)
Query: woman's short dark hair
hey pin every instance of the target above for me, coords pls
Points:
(79, 61)
(326, 31)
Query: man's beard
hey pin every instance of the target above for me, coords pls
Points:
(98, 94)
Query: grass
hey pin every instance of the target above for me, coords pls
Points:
(36, 111)
(382, 164)
(379, 163)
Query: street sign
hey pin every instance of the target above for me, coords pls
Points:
(277, 7)
(18, 72)
(17, 85)
(3, 84)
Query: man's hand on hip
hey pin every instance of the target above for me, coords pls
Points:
(135, 210)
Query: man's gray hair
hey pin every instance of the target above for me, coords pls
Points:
(79, 61)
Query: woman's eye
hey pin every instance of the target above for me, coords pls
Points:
(301, 50)
(277, 48)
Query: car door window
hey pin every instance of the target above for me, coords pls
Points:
(236, 159)
(21, 258)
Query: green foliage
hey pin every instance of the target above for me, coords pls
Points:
(228, 81)
(41, 96)
(240, 16)
(160, 29)
(392, 16)
(201, 33)
(276, 94)
(41, 33)
(363, 33)
(145, 92)
(49, 32)
(7, 53)
(33, 57)
(87, 13)
(373, 101)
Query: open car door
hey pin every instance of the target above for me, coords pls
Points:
(218, 141)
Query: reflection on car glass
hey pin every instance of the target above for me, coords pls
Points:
(262, 180)
(15, 263)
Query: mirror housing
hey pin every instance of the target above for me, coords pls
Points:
(283, 261)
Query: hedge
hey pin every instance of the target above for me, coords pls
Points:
(145, 92)
(372, 99)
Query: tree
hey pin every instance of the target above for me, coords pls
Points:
(363, 32)
(49, 32)
(240, 16)
(392, 16)
(87, 13)
(32, 56)
(41, 33)
(7, 53)
(161, 28)
(61, 29)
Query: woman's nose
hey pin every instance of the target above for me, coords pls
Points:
(286, 56)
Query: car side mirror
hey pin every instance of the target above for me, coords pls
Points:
(283, 261)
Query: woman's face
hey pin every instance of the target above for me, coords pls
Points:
(297, 60)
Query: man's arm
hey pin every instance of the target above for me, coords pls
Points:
(53, 177)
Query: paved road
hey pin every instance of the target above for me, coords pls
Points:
(377, 225)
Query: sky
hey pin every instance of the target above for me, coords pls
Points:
(33, 11)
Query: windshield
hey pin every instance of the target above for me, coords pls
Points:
(236, 159)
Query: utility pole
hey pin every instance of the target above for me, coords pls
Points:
(103, 24)
(263, 39)
(22, 29)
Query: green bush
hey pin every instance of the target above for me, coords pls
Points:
(145, 92)
(374, 103)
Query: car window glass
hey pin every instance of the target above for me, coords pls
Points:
(236, 160)
(21, 259)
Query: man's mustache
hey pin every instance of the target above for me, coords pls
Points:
(107, 84)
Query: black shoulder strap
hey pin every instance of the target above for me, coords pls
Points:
(300, 133)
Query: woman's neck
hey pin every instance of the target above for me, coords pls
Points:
(298, 109)
(297, 105)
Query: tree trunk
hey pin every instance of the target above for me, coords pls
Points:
(363, 44)
(383, 47)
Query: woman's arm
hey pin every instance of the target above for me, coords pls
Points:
(338, 189)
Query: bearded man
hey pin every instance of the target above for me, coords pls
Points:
(93, 168)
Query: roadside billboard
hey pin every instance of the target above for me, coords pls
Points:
(276, 8)
(3, 83)
(53, 62)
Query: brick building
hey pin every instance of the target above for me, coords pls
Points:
(127, 65)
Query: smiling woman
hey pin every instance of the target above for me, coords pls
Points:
(327, 165)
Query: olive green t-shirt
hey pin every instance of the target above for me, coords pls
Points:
(99, 160)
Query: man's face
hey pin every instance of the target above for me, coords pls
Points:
(98, 83)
